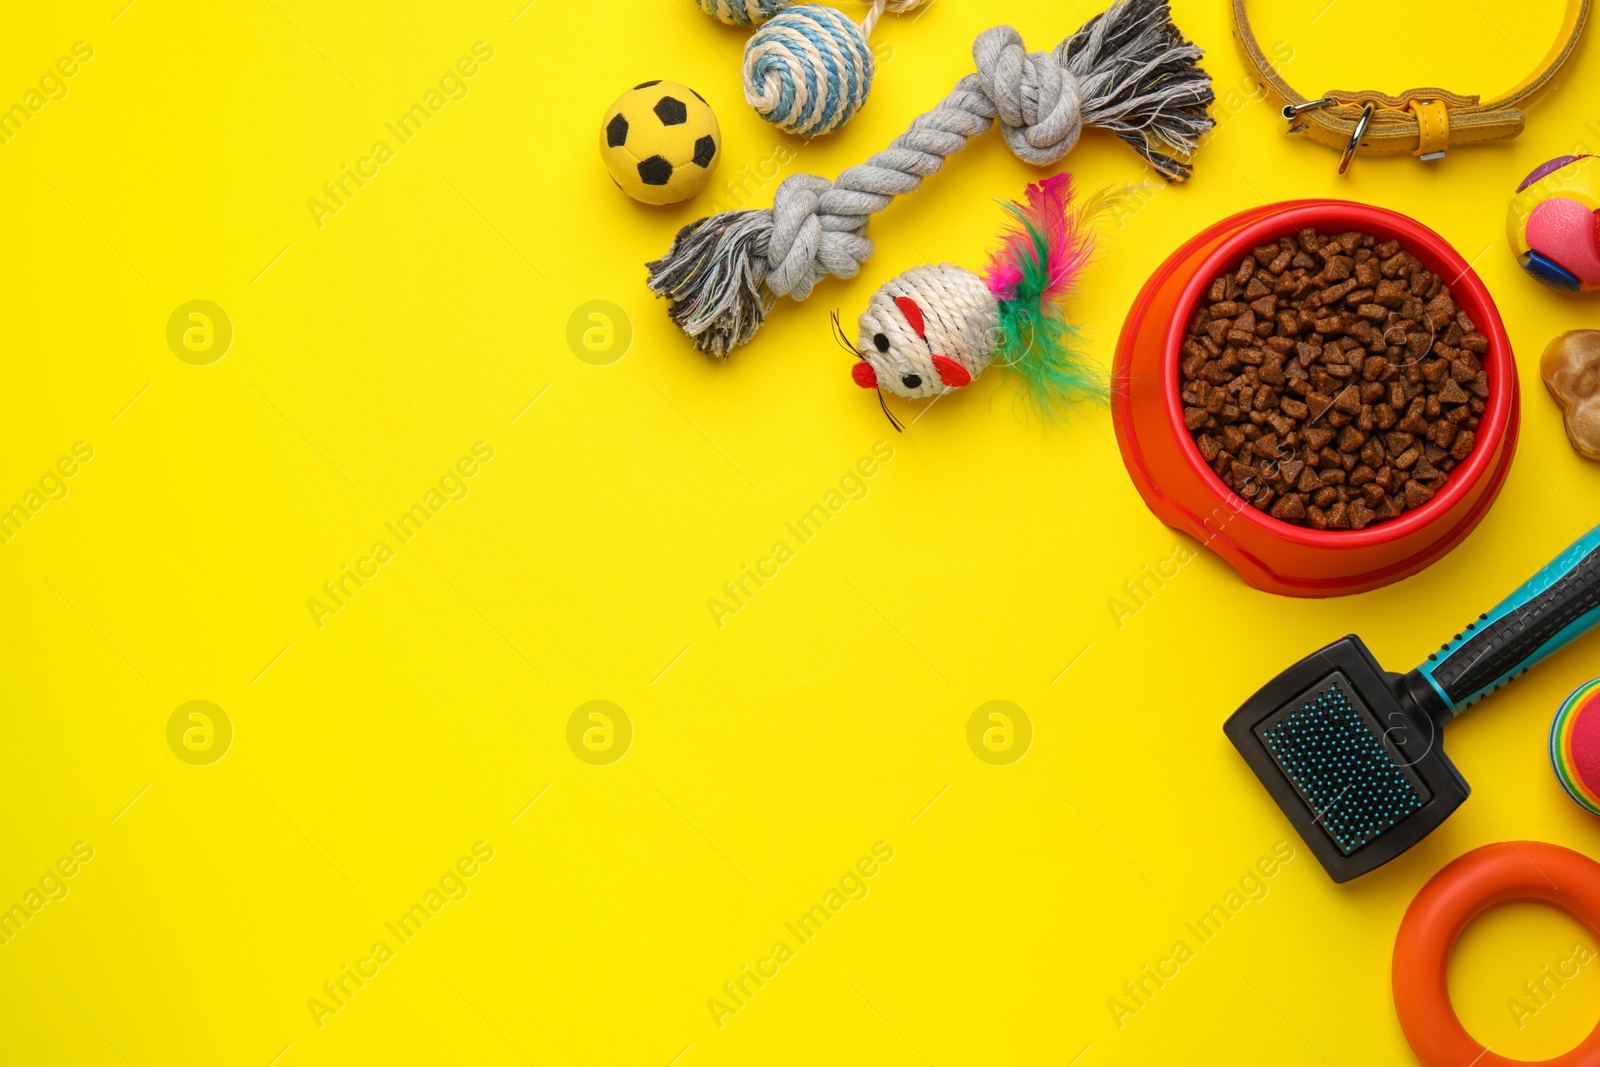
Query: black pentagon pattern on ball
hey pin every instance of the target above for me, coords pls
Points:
(646, 85)
(705, 149)
(655, 171)
(671, 111)
(617, 131)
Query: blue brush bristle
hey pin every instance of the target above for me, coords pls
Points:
(1332, 756)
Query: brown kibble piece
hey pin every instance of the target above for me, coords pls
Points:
(1317, 437)
(1417, 494)
(1291, 508)
(1391, 294)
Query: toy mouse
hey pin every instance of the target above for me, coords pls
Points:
(934, 329)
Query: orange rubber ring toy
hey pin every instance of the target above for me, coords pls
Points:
(1462, 890)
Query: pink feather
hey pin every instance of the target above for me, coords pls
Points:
(1048, 212)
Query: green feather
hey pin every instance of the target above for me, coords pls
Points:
(1037, 341)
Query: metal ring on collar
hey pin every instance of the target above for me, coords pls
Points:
(1356, 134)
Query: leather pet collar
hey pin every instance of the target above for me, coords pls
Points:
(1424, 122)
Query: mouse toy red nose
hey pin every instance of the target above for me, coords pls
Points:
(864, 375)
(951, 373)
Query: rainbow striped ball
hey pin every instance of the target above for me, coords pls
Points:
(1575, 746)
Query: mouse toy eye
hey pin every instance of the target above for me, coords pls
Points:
(912, 381)
(881, 342)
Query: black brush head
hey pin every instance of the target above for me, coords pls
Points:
(1349, 757)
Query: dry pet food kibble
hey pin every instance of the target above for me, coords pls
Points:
(1331, 381)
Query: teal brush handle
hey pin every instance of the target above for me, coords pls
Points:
(1558, 605)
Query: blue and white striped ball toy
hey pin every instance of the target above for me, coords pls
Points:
(808, 70)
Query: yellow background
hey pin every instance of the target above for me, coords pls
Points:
(768, 754)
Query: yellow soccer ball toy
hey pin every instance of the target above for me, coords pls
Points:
(660, 141)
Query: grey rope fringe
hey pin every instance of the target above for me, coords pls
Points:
(1128, 70)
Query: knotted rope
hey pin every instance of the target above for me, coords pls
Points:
(1127, 70)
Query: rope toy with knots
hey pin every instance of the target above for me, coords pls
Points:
(808, 69)
(1128, 70)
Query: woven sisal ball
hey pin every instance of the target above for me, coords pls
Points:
(808, 70)
(740, 12)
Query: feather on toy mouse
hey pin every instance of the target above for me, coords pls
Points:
(935, 328)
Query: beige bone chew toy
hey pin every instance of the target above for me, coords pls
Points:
(1571, 370)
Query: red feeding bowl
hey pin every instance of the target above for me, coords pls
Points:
(1183, 491)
